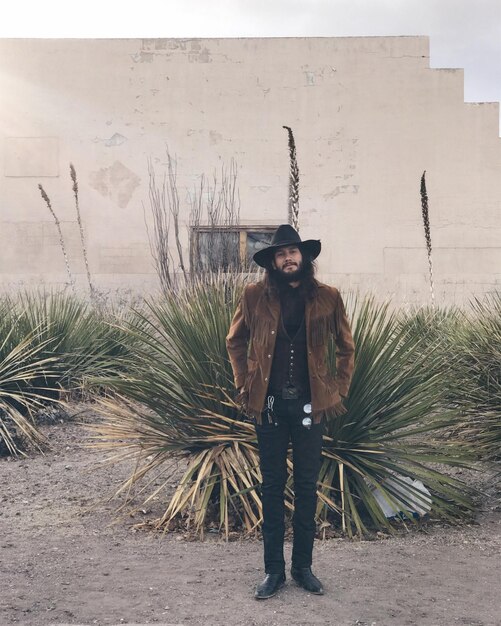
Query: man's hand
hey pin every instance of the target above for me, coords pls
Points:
(240, 397)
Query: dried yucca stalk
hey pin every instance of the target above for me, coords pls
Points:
(61, 238)
(73, 175)
(293, 182)
(427, 235)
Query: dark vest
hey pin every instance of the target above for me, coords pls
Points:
(290, 359)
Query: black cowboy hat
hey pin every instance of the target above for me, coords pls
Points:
(286, 235)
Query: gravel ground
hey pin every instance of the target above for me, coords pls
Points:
(65, 558)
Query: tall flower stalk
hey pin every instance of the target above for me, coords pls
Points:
(61, 238)
(293, 182)
(73, 175)
(427, 235)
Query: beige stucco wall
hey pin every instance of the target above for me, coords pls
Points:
(368, 114)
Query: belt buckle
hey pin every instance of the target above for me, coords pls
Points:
(290, 392)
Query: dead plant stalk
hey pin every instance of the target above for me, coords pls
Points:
(73, 175)
(61, 238)
(427, 234)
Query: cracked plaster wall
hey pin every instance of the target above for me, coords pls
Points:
(368, 114)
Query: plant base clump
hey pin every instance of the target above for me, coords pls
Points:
(10, 441)
(174, 400)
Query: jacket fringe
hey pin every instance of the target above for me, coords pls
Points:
(261, 331)
(330, 413)
(320, 330)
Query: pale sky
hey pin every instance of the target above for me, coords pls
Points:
(463, 33)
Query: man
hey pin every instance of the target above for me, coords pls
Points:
(278, 345)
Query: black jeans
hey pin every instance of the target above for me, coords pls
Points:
(273, 441)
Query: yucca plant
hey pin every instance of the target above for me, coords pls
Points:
(85, 342)
(439, 329)
(476, 380)
(383, 440)
(21, 366)
(175, 400)
(435, 325)
(52, 342)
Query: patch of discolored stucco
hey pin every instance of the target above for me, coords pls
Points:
(215, 137)
(142, 57)
(116, 182)
(197, 54)
(150, 48)
(116, 140)
(341, 189)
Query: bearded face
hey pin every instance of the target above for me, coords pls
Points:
(288, 264)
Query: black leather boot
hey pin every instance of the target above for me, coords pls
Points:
(307, 580)
(270, 585)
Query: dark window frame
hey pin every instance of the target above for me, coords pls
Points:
(242, 229)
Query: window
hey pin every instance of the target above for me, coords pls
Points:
(215, 248)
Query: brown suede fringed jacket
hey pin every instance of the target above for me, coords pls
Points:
(251, 344)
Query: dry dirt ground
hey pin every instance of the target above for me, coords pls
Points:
(61, 563)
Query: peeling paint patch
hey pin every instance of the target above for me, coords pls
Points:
(341, 189)
(116, 140)
(164, 44)
(156, 44)
(215, 137)
(198, 54)
(142, 57)
(261, 188)
(116, 182)
(310, 78)
(205, 56)
(160, 44)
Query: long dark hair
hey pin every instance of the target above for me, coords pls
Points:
(308, 286)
